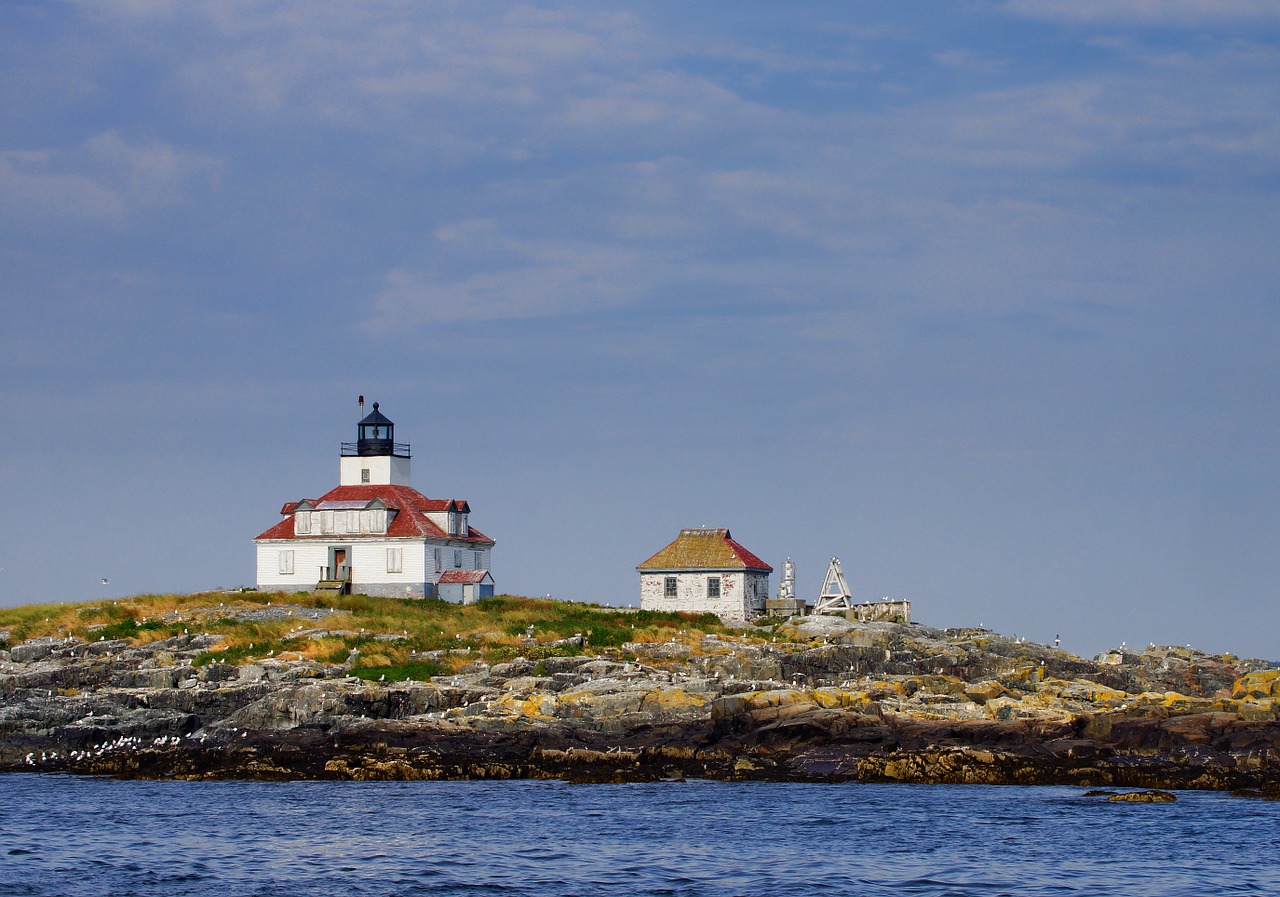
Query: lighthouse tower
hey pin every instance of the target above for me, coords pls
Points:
(375, 458)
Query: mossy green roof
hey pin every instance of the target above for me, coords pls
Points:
(704, 549)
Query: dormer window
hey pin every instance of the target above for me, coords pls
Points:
(302, 523)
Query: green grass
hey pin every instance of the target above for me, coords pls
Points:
(130, 627)
(401, 672)
(493, 629)
(238, 654)
(610, 628)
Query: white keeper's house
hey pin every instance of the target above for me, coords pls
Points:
(705, 570)
(376, 535)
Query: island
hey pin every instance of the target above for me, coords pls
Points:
(261, 685)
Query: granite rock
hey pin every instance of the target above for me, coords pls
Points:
(877, 702)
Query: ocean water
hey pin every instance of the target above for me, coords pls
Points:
(67, 836)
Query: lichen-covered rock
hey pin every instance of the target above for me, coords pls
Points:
(818, 626)
(1143, 797)
(1261, 684)
(35, 649)
(659, 650)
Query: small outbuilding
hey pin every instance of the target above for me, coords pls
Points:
(705, 571)
(464, 586)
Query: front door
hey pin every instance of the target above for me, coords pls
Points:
(341, 569)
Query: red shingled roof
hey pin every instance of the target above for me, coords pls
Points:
(464, 575)
(411, 519)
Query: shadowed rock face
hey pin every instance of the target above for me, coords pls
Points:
(874, 702)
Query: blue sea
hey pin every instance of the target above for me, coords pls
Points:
(68, 836)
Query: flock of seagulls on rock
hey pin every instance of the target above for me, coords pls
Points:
(122, 744)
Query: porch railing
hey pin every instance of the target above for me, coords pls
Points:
(340, 573)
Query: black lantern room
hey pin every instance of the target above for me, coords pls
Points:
(376, 437)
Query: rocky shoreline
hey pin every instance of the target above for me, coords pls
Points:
(833, 701)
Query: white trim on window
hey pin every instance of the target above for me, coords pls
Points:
(286, 561)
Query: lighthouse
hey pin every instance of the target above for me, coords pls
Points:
(374, 533)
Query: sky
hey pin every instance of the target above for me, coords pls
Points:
(980, 296)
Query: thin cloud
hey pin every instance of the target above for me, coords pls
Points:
(526, 279)
(151, 172)
(34, 189)
(104, 179)
(1180, 13)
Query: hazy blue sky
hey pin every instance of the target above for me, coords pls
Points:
(979, 295)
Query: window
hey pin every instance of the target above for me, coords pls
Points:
(439, 563)
(457, 559)
(395, 560)
(479, 559)
(302, 523)
(713, 587)
(669, 587)
(286, 561)
(364, 474)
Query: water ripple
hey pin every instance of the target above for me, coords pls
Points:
(72, 837)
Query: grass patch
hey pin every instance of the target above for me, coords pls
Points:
(609, 627)
(402, 672)
(129, 628)
(238, 654)
(494, 629)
